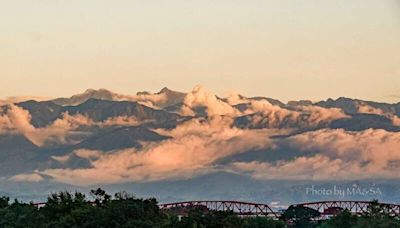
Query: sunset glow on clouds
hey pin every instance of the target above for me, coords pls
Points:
(180, 100)
(197, 144)
(338, 155)
(192, 151)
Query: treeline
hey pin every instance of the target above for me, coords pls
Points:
(65, 209)
(376, 216)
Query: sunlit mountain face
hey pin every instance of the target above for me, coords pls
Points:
(196, 145)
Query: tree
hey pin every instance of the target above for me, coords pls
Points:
(300, 216)
(262, 222)
(343, 219)
(4, 202)
(100, 196)
(377, 216)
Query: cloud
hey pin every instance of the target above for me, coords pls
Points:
(82, 153)
(152, 100)
(159, 100)
(395, 120)
(62, 159)
(234, 99)
(55, 133)
(5, 124)
(261, 113)
(303, 168)
(335, 155)
(200, 97)
(377, 111)
(18, 120)
(121, 120)
(32, 177)
(370, 110)
(318, 115)
(195, 147)
(162, 99)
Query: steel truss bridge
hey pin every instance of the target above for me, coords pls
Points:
(255, 209)
(237, 207)
(357, 207)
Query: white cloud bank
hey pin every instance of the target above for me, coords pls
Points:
(339, 155)
(17, 120)
(195, 147)
(264, 113)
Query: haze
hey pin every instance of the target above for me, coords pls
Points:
(286, 49)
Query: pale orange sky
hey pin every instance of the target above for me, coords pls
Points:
(286, 49)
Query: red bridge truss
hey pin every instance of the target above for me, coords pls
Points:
(358, 207)
(239, 208)
(256, 209)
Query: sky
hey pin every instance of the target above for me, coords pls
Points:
(286, 49)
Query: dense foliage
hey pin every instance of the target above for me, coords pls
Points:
(300, 216)
(66, 209)
(377, 216)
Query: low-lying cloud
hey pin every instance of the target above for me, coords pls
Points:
(262, 114)
(17, 120)
(231, 126)
(195, 147)
(337, 155)
(200, 97)
(366, 109)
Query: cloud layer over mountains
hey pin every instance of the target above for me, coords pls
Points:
(101, 137)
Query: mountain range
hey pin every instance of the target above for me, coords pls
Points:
(196, 145)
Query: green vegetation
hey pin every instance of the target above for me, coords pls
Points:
(377, 216)
(66, 209)
(300, 216)
(201, 218)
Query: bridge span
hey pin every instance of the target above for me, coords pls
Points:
(326, 208)
(238, 207)
(357, 207)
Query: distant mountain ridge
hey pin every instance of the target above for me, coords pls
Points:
(348, 105)
(351, 106)
(165, 97)
(45, 112)
(101, 94)
(149, 139)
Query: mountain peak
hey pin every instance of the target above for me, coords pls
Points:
(165, 90)
(101, 90)
(101, 94)
(168, 91)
